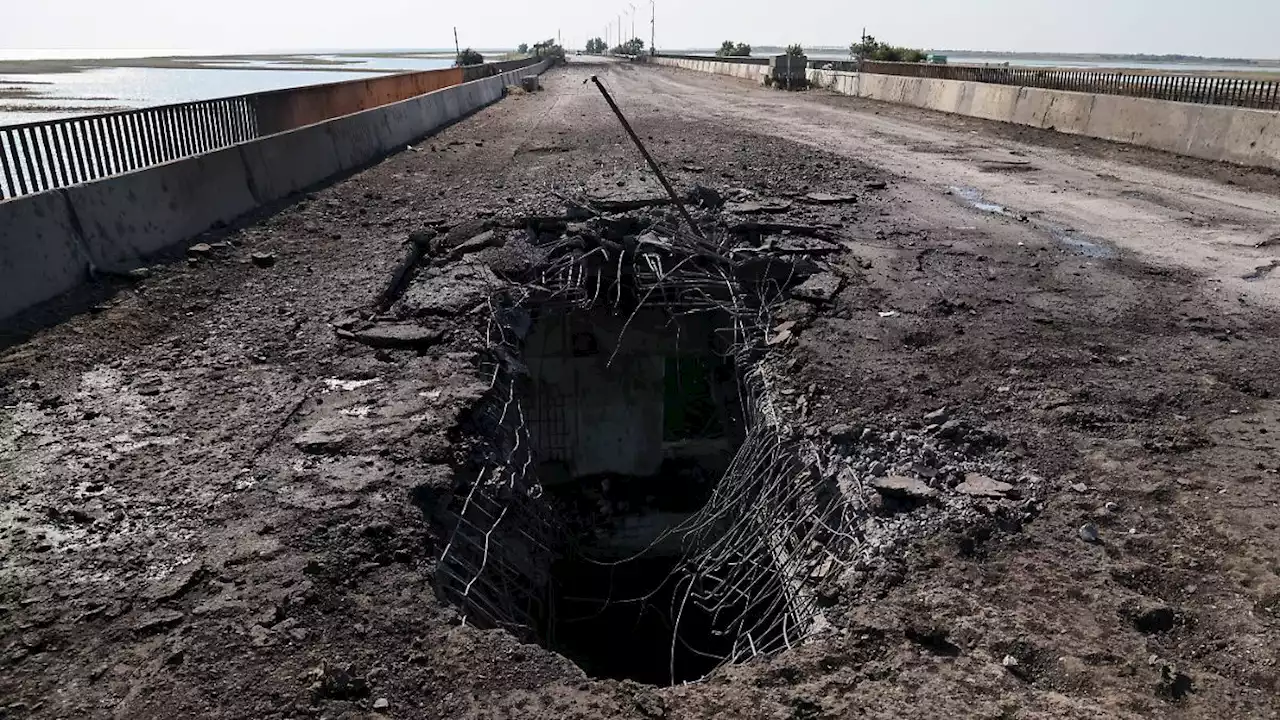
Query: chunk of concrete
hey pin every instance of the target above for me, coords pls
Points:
(899, 486)
(405, 336)
(819, 288)
(977, 485)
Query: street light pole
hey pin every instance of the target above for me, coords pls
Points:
(633, 21)
(653, 28)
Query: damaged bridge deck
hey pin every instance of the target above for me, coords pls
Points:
(460, 436)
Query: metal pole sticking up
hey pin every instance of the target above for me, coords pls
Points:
(653, 164)
(456, 48)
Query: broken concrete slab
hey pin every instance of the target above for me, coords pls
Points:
(403, 336)
(822, 198)
(480, 241)
(976, 485)
(764, 205)
(899, 486)
(819, 288)
(326, 436)
(454, 290)
(178, 582)
(631, 192)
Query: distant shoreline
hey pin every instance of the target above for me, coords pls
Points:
(320, 62)
(1170, 59)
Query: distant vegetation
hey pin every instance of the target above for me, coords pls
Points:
(468, 57)
(872, 49)
(795, 50)
(729, 48)
(523, 49)
(634, 46)
(596, 46)
(548, 48)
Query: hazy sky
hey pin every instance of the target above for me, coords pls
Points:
(1238, 28)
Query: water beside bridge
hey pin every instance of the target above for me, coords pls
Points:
(103, 87)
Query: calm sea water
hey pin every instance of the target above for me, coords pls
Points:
(99, 89)
(1084, 64)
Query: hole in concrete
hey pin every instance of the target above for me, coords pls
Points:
(632, 422)
(630, 503)
(632, 430)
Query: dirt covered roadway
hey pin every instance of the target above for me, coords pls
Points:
(186, 534)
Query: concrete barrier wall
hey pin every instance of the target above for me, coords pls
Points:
(49, 241)
(717, 67)
(1212, 132)
(41, 255)
(297, 107)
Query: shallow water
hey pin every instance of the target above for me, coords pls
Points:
(103, 89)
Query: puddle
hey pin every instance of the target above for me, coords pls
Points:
(1070, 240)
(974, 198)
(1081, 244)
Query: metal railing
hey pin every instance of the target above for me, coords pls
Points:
(57, 153)
(52, 154)
(1191, 88)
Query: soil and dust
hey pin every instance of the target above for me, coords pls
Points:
(213, 477)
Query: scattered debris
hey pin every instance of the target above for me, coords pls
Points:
(822, 198)
(178, 582)
(263, 259)
(899, 486)
(158, 621)
(338, 684)
(1089, 533)
(758, 206)
(819, 288)
(325, 437)
(782, 334)
(475, 243)
(982, 486)
(401, 336)
(1173, 685)
(703, 196)
(199, 250)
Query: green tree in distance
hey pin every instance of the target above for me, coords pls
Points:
(872, 49)
(634, 46)
(468, 57)
(729, 48)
